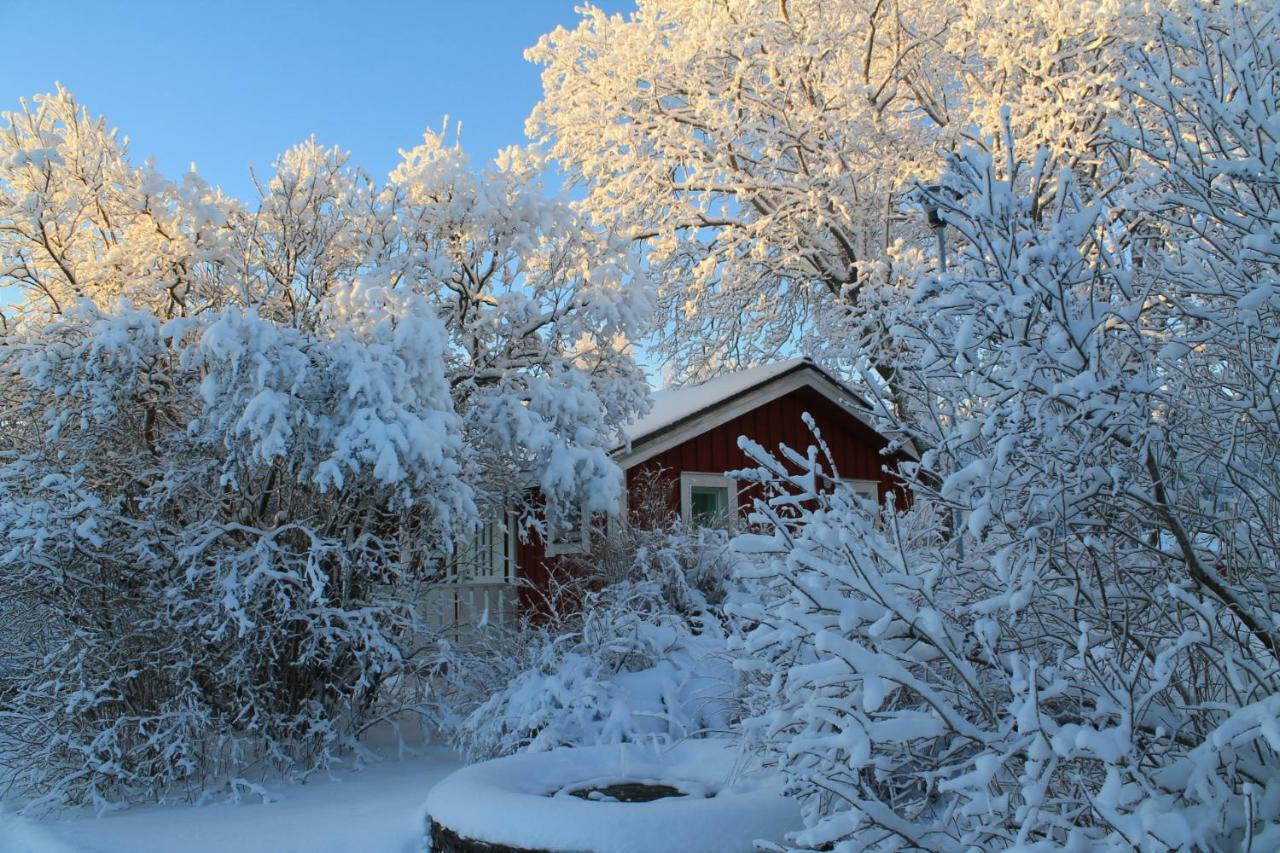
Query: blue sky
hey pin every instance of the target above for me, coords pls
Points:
(229, 83)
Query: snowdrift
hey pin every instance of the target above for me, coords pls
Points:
(539, 801)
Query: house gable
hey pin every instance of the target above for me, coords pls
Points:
(655, 435)
(709, 443)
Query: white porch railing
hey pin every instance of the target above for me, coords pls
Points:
(463, 607)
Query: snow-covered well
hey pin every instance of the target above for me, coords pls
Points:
(540, 801)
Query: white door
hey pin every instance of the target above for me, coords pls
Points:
(479, 587)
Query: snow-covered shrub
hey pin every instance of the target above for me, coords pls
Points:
(918, 700)
(188, 619)
(635, 650)
(1069, 639)
(625, 669)
(691, 566)
(630, 645)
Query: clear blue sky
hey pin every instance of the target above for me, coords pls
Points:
(229, 83)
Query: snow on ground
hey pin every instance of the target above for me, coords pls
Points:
(22, 836)
(377, 809)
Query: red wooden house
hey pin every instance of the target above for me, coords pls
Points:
(689, 440)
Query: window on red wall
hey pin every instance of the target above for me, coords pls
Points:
(708, 500)
(567, 532)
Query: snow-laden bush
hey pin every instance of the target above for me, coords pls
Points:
(185, 621)
(1070, 637)
(637, 654)
(919, 701)
(691, 566)
(625, 672)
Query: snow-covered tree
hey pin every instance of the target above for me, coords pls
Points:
(541, 311)
(759, 149)
(1070, 638)
(234, 439)
(79, 221)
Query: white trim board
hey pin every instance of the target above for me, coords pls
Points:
(721, 413)
(867, 489)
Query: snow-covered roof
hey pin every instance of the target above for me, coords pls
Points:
(687, 409)
(672, 405)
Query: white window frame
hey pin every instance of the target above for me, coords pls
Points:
(689, 479)
(580, 545)
(866, 489)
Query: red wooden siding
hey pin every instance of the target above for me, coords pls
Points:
(855, 449)
(533, 573)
